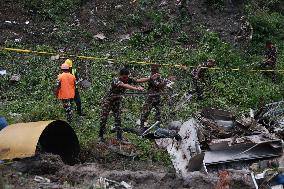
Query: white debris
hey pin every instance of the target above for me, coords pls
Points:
(110, 184)
(124, 37)
(107, 55)
(3, 72)
(163, 3)
(126, 185)
(27, 22)
(15, 78)
(182, 151)
(100, 36)
(18, 40)
(138, 122)
(277, 186)
(262, 175)
(9, 22)
(169, 85)
(56, 57)
(42, 180)
(118, 6)
(15, 114)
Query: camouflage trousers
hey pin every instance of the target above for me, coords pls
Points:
(67, 105)
(107, 106)
(151, 102)
(197, 87)
(269, 66)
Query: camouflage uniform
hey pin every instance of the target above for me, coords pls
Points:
(112, 103)
(270, 62)
(153, 101)
(246, 31)
(197, 80)
(67, 105)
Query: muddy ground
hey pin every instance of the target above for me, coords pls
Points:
(114, 19)
(23, 174)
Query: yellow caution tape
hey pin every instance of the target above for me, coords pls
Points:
(129, 61)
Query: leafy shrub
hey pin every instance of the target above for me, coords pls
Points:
(52, 9)
(215, 3)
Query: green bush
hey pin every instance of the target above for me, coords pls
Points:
(52, 9)
(267, 25)
(215, 3)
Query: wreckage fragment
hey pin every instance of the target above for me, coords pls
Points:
(216, 138)
(244, 148)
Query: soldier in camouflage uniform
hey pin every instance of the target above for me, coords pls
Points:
(155, 87)
(183, 9)
(112, 101)
(197, 77)
(270, 60)
(245, 33)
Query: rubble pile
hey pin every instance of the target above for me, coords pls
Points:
(216, 141)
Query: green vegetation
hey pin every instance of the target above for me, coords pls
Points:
(237, 91)
(52, 9)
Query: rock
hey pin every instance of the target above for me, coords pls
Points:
(18, 40)
(163, 3)
(85, 84)
(56, 57)
(15, 78)
(118, 6)
(124, 37)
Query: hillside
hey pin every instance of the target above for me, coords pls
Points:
(141, 30)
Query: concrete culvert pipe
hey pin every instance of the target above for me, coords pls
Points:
(21, 140)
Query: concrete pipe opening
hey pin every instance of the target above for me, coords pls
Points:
(22, 140)
(59, 138)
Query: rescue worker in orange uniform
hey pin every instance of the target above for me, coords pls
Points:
(65, 90)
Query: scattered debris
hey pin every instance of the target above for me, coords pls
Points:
(15, 114)
(118, 6)
(41, 180)
(182, 151)
(163, 3)
(3, 72)
(215, 138)
(108, 184)
(18, 40)
(15, 78)
(124, 37)
(56, 57)
(100, 36)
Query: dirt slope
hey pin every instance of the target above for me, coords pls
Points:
(113, 18)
